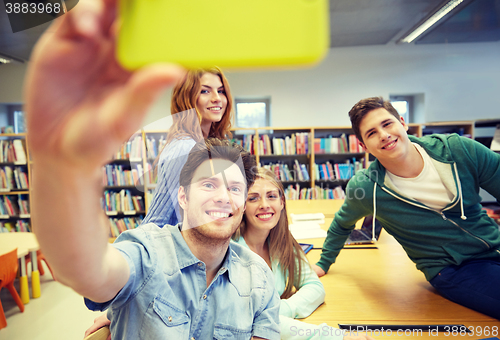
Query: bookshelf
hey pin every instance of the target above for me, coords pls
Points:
(15, 175)
(415, 129)
(131, 177)
(155, 141)
(324, 152)
(463, 128)
(484, 130)
(312, 162)
(336, 157)
(285, 151)
(282, 149)
(123, 179)
(129, 180)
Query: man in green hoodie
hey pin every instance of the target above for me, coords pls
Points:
(425, 193)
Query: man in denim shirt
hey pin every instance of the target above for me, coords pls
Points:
(159, 283)
(192, 283)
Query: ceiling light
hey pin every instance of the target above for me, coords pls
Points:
(438, 15)
(7, 59)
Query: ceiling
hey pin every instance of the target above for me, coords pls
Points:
(353, 23)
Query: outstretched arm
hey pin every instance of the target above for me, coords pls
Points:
(81, 105)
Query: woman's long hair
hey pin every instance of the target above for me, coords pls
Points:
(282, 246)
(184, 97)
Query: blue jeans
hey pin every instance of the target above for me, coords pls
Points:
(474, 284)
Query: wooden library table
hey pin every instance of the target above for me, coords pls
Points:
(382, 286)
(25, 243)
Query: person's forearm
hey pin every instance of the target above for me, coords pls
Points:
(71, 230)
(307, 298)
(331, 248)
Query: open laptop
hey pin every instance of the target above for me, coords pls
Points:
(364, 234)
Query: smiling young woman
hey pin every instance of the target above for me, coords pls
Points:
(264, 229)
(201, 107)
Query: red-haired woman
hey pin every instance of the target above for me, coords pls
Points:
(201, 107)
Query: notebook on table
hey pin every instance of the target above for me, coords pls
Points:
(306, 247)
(364, 234)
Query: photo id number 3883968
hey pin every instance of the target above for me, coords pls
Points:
(470, 331)
(33, 8)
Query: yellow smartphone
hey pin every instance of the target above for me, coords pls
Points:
(226, 33)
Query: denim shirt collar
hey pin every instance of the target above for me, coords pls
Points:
(185, 257)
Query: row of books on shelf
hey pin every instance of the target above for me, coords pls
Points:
(12, 151)
(153, 146)
(122, 201)
(13, 227)
(116, 175)
(299, 172)
(327, 171)
(332, 171)
(131, 150)
(295, 144)
(295, 192)
(298, 144)
(343, 144)
(119, 175)
(14, 205)
(13, 178)
(119, 225)
(246, 142)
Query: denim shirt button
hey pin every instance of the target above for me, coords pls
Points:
(200, 264)
(169, 319)
(204, 297)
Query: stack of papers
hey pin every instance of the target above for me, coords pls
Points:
(318, 218)
(306, 226)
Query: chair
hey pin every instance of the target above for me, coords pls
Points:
(101, 334)
(8, 272)
(39, 259)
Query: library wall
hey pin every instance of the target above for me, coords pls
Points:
(458, 82)
(11, 83)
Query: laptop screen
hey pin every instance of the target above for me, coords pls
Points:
(367, 227)
(364, 234)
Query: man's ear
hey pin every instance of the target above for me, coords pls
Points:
(362, 145)
(404, 123)
(182, 197)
